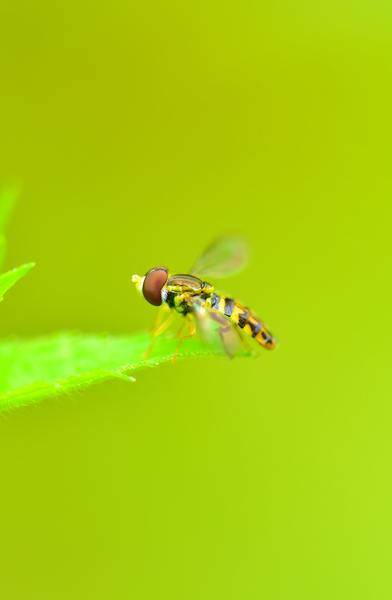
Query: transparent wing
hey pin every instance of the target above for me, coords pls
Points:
(210, 324)
(226, 256)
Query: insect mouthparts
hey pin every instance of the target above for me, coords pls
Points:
(137, 281)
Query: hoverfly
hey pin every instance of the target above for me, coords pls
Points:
(204, 308)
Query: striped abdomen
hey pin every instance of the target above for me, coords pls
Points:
(243, 318)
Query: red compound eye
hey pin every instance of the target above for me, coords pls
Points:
(154, 281)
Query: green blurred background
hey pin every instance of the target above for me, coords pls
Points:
(140, 132)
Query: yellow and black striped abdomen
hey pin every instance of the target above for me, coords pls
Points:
(244, 319)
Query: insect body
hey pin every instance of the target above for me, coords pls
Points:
(200, 303)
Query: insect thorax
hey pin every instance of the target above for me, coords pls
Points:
(181, 289)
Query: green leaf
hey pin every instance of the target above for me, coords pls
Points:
(8, 279)
(38, 368)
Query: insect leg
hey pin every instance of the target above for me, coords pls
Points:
(162, 313)
(163, 321)
(191, 325)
